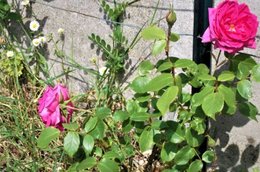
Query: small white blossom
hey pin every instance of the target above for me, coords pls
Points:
(103, 70)
(25, 2)
(34, 25)
(36, 42)
(9, 53)
(42, 39)
(61, 31)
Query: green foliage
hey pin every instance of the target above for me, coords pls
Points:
(47, 135)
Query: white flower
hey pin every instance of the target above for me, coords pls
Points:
(34, 25)
(9, 53)
(42, 39)
(60, 31)
(25, 2)
(36, 42)
(102, 70)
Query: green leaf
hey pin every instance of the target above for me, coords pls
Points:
(198, 98)
(208, 156)
(256, 73)
(211, 142)
(184, 63)
(153, 33)
(167, 98)
(103, 112)
(111, 155)
(99, 131)
(248, 109)
(146, 139)
(160, 82)
(140, 116)
(120, 116)
(193, 139)
(206, 77)
(245, 67)
(71, 143)
(87, 163)
(165, 66)
(145, 67)
(107, 165)
(244, 88)
(88, 143)
(175, 134)
(91, 124)
(226, 76)
(184, 155)
(195, 166)
(198, 125)
(72, 126)
(212, 104)
(168, 151)
(158, 47)
(174, 37)
(46, 136)
(229, 97)
(139, 84)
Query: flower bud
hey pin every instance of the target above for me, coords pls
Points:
(171, 18)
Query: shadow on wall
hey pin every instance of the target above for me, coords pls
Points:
(232, 158)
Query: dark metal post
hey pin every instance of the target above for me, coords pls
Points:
(201, 52)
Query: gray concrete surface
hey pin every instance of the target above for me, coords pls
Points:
(238, 138)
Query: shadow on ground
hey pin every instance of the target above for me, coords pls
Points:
(231, 157)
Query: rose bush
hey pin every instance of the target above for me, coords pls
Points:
(231, 27)
(49, 106)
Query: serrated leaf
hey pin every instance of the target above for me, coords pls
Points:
(153, 33)
(102, 112)
(208, 156)
(165, 66)
(72, 126)
(245, 66)
(198, 98)
(195, 166)
(167, 98)
(145, 67)
(256, 73)
(244, 88)
(184, 155)
(88, 143)
(158, 47)
(71, 143)
(120, 116)
(87, 163)
(184, 63)
(46, 136)
(226, 76)
(248, 109)
(193, 139)
(229, 98)
(175, 134)
(146, 139)
(160, 82)
(212, 104)
(91, 124)
(206, 77)
(140, 116)
(168, 151)
(139, 84)
(99, 131)
(107, 165)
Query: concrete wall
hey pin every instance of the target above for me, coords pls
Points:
(238, 139)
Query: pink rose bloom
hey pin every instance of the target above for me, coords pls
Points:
(49, 106)
(231, 27)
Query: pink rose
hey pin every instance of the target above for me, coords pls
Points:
(231, 27)
(49, 106)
